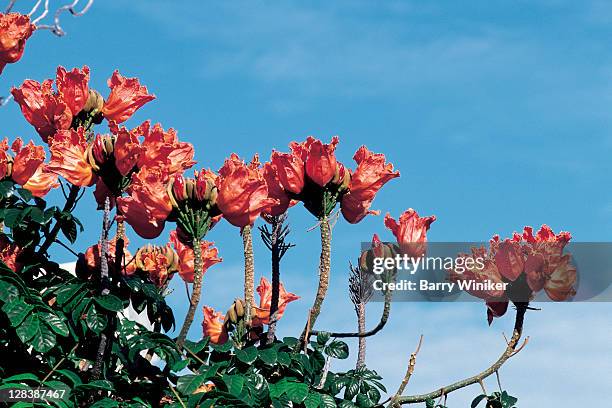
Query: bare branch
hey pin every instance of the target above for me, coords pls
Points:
(56, 27)
(9, 7)
(409, 371)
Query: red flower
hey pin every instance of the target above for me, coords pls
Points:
(127, 150)
(159, 262)
(186, 256)
(161, 148)
(41, 182)
(93, 257)
(560, 282)
(275, 191)
(50, 111)
(69, 157)
(509, 259)
(290, 170)
(27, 160)
(15, 29)
(42, 108)
(243, 193)
(126, 97)
(411, 232)
(477, 274)
(371, 174)
(73, 87)
(262, 313)
(9, 252)
(319, 158)
(213, 326)
(148, 204)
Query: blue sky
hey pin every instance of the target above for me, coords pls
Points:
(497, 114)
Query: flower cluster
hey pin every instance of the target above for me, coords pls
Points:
(216, 326)
(528, 263)
(312, 174)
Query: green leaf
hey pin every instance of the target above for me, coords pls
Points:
(327, 401)
(296, 392)
(69, 229)
(16, 311)
(6, 188)
(71, 375)
(12, 216)
(25, 194)
(9, 292)
(56, 323)
(247, 355)
(234, 383)
(313, 400)
(106, 403)
(21, 378)
(477, 400)
(352, 388)
(268, 356)
(95, 321)
(323, 338)
(337, 349)
(109, 302)
(187, 384)
(290, 341)
(43, 339)
(28, 328)
(67, 292)
(284, 359)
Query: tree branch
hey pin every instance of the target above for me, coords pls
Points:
(510, 351)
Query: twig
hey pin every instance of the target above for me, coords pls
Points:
(176, 395)
(9, 7)
(325, 371)
(510, 351)
(194, 355)
(409, 372)
(56, 28)
(67, 248)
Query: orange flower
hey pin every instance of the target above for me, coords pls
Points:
(69, 157)
(410, 232)
(213, 326)
(15, 29)
(319, 158)
(126, 97)
(243, 193)
(42, 108)
(9, 252)
(93, 257)
(371, 174)
(41, 182)
(559, 285)
(262, 313)
(148, 205)
(163, 149)
(126, 150)
(186, 256)
(27, 160)
(160, 263)
(290, 170)
(275, 190)
(50, 111)
(73, 87)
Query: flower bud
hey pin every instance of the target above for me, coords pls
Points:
(160, 262)
(95, 101)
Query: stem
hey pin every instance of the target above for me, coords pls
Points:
(249, 273)
(104, 285)
(324, 269)
(276, 256)
(383, 321)
(361, 310)
(195, 294)
(511, 350)
(68, 206)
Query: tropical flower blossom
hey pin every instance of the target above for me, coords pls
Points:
(319, 158)
(50, 111)
(371, 174)
(148, 205)
(158, 262)
(126, 97)
(213, 326)
(69, 157)
(186, 256)
(9, 252)
(93, 257)
(15, 29)
(275, 191)
(410, 232)
(243, 193)
(262, 312)
(162, 148)
(290, 170)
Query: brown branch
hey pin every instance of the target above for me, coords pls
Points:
(249, 273)
(361, 327)
(510, 351)
(195, 294)
(324, 270)
(409, 372)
